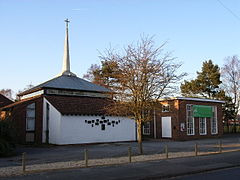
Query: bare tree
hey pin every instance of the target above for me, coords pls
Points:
(28, 86)
(231, 80)
(143, 74)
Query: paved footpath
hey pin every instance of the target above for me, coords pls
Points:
(165, 168)
(53, 154)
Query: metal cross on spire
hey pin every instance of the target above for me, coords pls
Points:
(67, 21)
(66, 56)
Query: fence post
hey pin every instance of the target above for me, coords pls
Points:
(166, 150)
(24, 162)
(196, 149)
(220, 146)
(86, 157)
(130, 154)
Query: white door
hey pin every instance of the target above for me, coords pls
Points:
(166, 127)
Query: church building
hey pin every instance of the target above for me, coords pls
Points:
(71, 110)
(68, 110)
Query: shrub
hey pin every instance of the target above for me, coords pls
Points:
(7, 146)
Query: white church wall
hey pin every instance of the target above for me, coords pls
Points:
(54, 123)
(88, 129)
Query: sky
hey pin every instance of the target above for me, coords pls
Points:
(32, 33)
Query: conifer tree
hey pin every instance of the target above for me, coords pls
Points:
(228, 108)
(206, 84)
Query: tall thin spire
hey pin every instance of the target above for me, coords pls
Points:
(66, 56)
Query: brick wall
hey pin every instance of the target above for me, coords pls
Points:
(18, 116)
(182, 118)
(173, 112)
(178, 115)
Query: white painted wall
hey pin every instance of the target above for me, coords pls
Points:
(74, 130)
(65, 129)
(54, 123)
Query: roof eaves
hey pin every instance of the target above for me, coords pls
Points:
(193, 99)
(19, 102)
(30, 91)
(200, 99)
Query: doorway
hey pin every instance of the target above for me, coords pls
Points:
(166, 127)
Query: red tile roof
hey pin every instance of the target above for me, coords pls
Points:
(4, 101)
(80, 105)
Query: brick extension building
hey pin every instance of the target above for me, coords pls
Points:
(183, 118)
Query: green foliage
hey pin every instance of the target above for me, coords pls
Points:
(103, 75)
(189, 88)
(228, 108)
(7, 146)
(7, 130)
(206, 84)
(231, 128)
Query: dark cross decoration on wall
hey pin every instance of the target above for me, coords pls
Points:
(103, 122)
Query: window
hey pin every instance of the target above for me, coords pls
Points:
(47, 116)
(146, 128)
(214, 129)
(47, 122)
(190, 120)
(165, 108)
(30, 117)
(202, 126)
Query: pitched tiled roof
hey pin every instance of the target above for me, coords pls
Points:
(80, 105)
(19, 102)
(4, 101)
(70, 83)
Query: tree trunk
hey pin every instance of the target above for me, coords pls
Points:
(228, 131)
(234, 126)
(139, 138)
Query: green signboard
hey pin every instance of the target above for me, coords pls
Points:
(202, 111)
